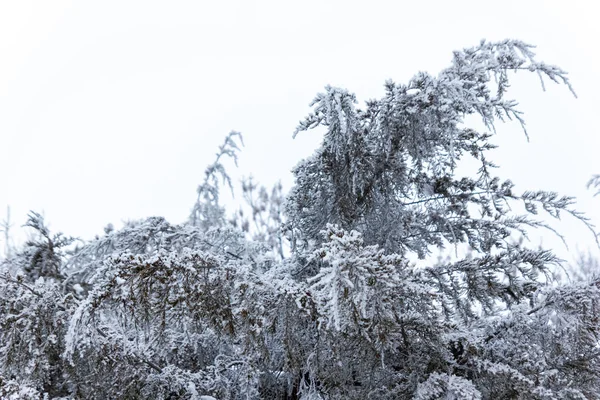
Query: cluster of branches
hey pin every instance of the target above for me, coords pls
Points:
(312, 296)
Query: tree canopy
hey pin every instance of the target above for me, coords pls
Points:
(315, 294)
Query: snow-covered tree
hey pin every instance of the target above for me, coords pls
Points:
(389, 170)
(317, 295)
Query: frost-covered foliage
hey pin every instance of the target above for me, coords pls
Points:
(160, 324)
(594, 183)
(261, 216)
(43, 254)
(149, 236)
(208, 213)
(33, 324)
(388, 170)
(316, 295)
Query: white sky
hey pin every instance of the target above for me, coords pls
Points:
(110, 110)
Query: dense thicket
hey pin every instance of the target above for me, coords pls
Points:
(313, 295)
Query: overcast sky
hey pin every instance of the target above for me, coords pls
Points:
(110, 110)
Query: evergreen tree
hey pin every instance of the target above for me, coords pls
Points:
(220, 308)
